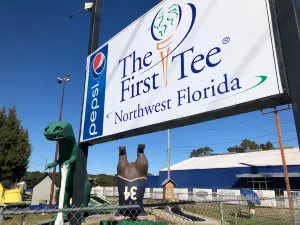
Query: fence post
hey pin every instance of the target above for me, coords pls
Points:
(293, 207)
(221, 210)
(23, 219)
(1, 215)
(238, 210)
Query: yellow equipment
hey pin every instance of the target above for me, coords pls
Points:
(10, 196)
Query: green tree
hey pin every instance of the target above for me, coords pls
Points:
(245, 145)
(105, 180)
(263, 146)
(2, 138)
(201, 152)
(249, 145)
(236, 148)
(15, 148)
(268, 146)
(31, 178)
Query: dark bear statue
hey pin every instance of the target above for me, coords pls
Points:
(131, 182)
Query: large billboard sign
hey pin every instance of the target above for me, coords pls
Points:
(180, 60)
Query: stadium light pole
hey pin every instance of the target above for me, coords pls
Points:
(62, 81)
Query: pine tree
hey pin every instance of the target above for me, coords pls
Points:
(201, 152)
(2, 153)
(269, 146)
(15, 148)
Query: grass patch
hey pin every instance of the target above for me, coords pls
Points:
(234, 214)
(33, 219)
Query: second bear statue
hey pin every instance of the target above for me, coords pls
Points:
(131, 182)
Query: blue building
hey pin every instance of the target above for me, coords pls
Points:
(260, 170)
(153, 182)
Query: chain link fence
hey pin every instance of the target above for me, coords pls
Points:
(223, 210)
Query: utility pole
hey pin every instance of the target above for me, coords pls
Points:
(62, 81)
(169, 156)
(285, 169)
(82, 153)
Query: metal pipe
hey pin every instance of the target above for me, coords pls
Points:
(169, 156)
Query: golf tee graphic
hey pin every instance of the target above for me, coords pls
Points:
(163, 29)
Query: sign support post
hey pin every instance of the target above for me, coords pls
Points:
(288, 17)
(82, 154)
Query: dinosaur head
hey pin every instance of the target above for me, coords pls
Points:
(58, 131)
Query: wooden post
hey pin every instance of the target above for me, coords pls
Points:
(286, 174)
(285, 169)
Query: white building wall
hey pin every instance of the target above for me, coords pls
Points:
(41, 192)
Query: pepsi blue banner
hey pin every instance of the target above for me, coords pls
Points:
(180, 60)
(95, 94)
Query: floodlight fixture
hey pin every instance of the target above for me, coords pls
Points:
(59, 80)
(68, 77)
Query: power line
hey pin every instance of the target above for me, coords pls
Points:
(227, 142)
(189, 151)
(242, 127)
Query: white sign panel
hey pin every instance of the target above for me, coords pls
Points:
(202, 194)
(228, 193)
(181, 194)
(147, 193)
(181, 59)
(269, 196)
(157, 193)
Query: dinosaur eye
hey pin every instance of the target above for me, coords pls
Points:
(59, 128)
(46, 128)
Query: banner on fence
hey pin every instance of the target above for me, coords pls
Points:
(181, 193)
(269, 195)
(202, 194)
(228, 194)
(147, 193)
(157, 193)
(109, 191)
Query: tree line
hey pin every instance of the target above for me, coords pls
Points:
(245, 145)
(103, 180)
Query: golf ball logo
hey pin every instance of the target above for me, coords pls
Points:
(163, 28)
(98, 65)
(165, 22)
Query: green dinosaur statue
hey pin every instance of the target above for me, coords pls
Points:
(62, 132)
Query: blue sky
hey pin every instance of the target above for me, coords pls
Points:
(49, 46)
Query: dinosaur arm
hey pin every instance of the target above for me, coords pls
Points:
(53, 164)
(69, 161)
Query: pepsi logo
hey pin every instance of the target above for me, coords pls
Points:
(99, 63)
